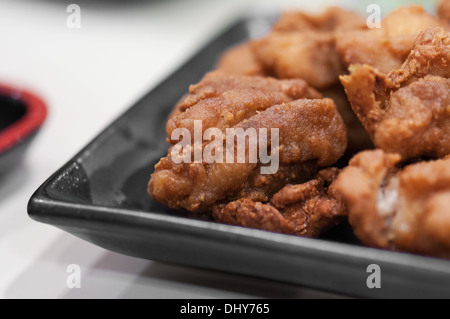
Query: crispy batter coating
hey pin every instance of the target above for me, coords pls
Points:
(385, 48)
(311, 134)
(303, 55)
(222, 101)
(359, 185)
(443, 11)
(303, 46)
(402, 209)
(311, 131)
(307, 209)
(407, 111)
(430, 55)
(240, 60)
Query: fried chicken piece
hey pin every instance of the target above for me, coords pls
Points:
(222, 101)
(407, 110)
(307, 209)
(311, 134)
(363, 188)
(443, 11)
(430, 55)
(305, 55)
(357, 137)
(303, 46)
(240, 60)
(385, 48)
(400, 209)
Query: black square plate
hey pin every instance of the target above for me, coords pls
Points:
(100, 196)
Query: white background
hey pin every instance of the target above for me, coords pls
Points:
(88, 77)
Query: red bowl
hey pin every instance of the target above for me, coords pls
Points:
(21, 115)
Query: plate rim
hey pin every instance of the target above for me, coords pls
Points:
(41, 207)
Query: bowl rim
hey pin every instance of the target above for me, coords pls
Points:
(35, 115)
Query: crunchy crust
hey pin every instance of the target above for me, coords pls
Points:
(306, 209)
(303, 46)
(222, 101)
(358, 186)
(401, 209)
(406, 111)
(311, 134)
(385, 48)
(443, 11)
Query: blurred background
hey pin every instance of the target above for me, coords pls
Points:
(88, 76)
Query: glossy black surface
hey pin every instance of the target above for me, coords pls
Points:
(100, 196)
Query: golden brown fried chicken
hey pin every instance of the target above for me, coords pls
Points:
(307, 209)
(385, 48)
(222, 101)
(407, 111)
(303, 55)
(303, 46)
(430, 55)
(402, 209)
(443, 11)
(311, 134)
(240, 60)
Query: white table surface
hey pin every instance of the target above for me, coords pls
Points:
(88, 77)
